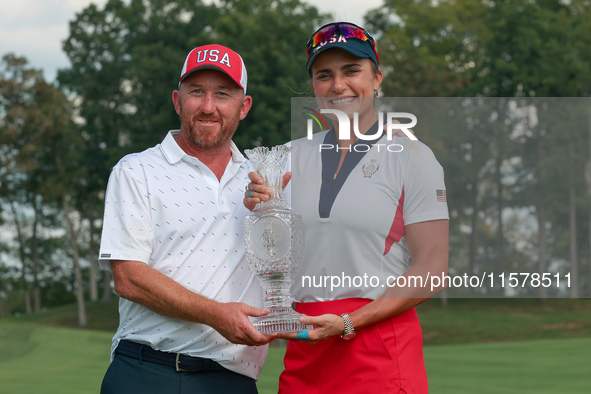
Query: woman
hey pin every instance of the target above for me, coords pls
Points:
(368, 213)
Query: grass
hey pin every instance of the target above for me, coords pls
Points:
(526, 367)
(41, 359)
(472, 346)
(500, 320)
(99, 316)
(539, 366)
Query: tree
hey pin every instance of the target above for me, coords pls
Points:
(125, 62)
(20, 190)
(537, 51)
(276, 63)
(42, 165)
(500, 49)
(430, 49)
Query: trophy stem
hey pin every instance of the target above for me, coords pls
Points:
(281, 318)
(277, 285)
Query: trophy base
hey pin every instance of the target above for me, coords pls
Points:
(280, 320)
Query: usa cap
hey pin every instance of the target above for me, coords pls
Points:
(215, 57)
(343, 35)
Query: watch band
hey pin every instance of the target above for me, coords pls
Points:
(349, 331)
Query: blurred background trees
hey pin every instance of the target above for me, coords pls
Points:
(519, 200)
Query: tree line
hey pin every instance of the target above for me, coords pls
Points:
(518, 189)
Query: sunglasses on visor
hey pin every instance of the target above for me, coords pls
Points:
(348, 30)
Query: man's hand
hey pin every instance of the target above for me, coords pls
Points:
(231, 321)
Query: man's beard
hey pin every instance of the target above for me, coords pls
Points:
(207, 140)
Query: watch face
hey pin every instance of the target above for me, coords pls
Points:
(349, 336)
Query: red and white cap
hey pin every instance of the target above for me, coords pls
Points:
(215, 57)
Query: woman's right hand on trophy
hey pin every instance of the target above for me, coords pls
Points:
(257, 192)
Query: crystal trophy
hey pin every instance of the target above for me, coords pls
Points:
(273, 239)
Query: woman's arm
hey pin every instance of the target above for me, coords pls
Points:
(428, 246)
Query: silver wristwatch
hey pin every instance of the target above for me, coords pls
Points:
(349, 330)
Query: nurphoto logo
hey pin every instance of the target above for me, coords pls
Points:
(344, 123)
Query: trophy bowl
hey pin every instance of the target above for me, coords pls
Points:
(273, 241)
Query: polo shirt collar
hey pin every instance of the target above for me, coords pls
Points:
(173, 152)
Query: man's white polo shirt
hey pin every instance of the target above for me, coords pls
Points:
(168, 210)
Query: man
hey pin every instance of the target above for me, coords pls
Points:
(172, 236)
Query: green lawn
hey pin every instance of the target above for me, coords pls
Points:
(499, 320)
(39, 359)
(527, 367)
(540, 366)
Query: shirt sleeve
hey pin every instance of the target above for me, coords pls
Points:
(424, 187)
(127, 224)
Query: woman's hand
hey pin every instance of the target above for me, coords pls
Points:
(325, 327)
(257, 192)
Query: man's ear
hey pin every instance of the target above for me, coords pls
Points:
(176, 100)
(246, 105)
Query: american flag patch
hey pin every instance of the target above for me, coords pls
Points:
(441, 196)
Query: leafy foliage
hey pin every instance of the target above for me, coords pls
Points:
(504, 49)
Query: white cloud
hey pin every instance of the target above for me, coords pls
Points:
(35, 29)
(32, 43)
